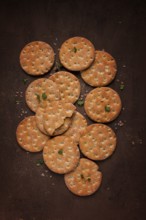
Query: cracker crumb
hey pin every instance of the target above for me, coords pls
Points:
(120, 123)
(42, 174)
(140, 141)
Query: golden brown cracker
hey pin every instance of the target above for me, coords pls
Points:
(68, 85)
(102, 104)
(102, 71)
(85, 179)
(98, 142)
(61, 154)
(29, 136)
(77, 53)
(37, 58)
(40, 91)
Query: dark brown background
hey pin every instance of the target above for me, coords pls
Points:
(29, 192)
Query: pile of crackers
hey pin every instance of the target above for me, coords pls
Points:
(70, 146)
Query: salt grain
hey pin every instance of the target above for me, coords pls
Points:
(120, 123)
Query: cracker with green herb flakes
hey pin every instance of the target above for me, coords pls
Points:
(37, 58)
(102, 71)
(77, 53)
(61, 154)
(98, 141)
(40, 91)
(29, 136)
(55, 114)
(68, 85)
(103, 104)
(78, 124)
(85, 179)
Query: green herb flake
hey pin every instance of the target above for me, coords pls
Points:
(122, 87)
(60, 152)
(89, 179)
(74, 49)
(58, 66)
(18, 101)
(38, 97)
(80, 102)
(24, 81)
(44, 96)
(39, 162)
(107, 108)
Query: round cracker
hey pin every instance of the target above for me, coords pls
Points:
(55, 114)
(77, 53)
(85, 179)
(29, 136)
(79, 123)
(61, 154)
(40, 91)
(98, 142)
(102, 71)
(102, 104)
(37, 58)
(68, 85)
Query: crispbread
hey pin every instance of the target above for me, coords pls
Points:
(98, 142)
(102, 104)
(55, 114)
(37, 58)
(68, 85)
(61, 154)
(102, 71)
(29, 136)
(77, 53)
(39, 87)
(77, 126)
(85, 179)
